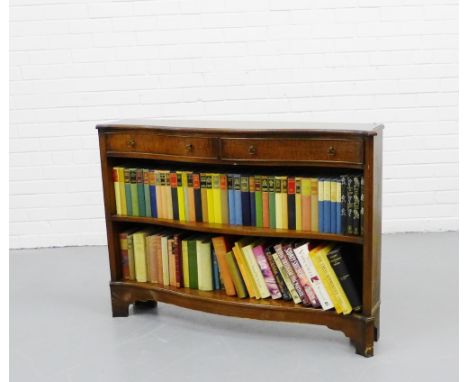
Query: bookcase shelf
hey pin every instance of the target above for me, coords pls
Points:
(324, 148)
(239, 230)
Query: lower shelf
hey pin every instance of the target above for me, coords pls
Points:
(360, 329)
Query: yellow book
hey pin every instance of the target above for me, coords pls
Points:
(204, 267)
(185, 263)
(284, 202)
(185, 193)
(314, 203)
(298, 199)
(139, 253)
(341, 295)
(210, 198)
(244, 268)
(255, 270)
(180, 197)
(115, 178)
(123, 198)
(278, 204)
(218, 216)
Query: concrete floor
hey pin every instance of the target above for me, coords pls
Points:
(62, 329)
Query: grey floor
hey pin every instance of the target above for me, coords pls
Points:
(62, 329)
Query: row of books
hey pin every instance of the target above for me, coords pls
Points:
(328, 205)
(314, 276)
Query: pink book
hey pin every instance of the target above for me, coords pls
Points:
(267, 272)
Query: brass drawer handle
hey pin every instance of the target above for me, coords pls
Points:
(131, 143)
(252, 150)
(188, 148)
(331, 151)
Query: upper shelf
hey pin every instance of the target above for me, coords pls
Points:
(238, 229)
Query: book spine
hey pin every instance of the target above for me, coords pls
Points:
(175, 198)
(216, 283)
(224, 199)
(217, 199)
(186, 195)
(343, 211)
(152, 189)
(267, 273)
(204, 266)
(128, 192)
(341, 270)
(306, 204)
(349, 205)
(326, 206)
(236, 276)
(180, 197)
(151, 259)
(320, 205)
(231, 200)
(265, 202)
(338, 206)
(277, 275)
(278, 204)
(256, 272)
(292, 275)
(284, 201)
(124, 256)
(123, 199)
(219, 245)
(333, 202)
(287, 280)
(197, 198)
(253, 211)
(271, 201)
(134, 192)
(314, 204)
(209, 198)
(258, 202)
(131, 257)
(185, 265)
(177, 250)
(141, 192)
(169, 205)
(159, 259)
(192, 262)
(172, 264)
(298, 204)
(147, 193)
(115, 179)
(191, 197)
(204, 198)
(291, 203)
(301, 276)
(356, 205)
(245, 200)
(165, 260)
(238, 199)
(159, 194)
(362, 206)
(252, 290)
(140, 257)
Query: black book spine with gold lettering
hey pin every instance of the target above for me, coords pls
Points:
(197, 197)
(342, 273)
(245, 198)
(349, 205)
(253, 211)
(362, 205)
(175, 201)
(291, 203)
(343, 212)
(356, 205)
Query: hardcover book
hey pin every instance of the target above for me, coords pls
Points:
(258, 202)
(175, 197)
(314, 204)
(272, 201)
(217, 199)
(140, 192)
(244, 269)
(204, 198)
(356, 205)
(197, 197)
(238, 199)
(253, 207)
(291, 276)
(224, 199)
(221, 248)
(191, 198)
(306, 204)
(278, 203)
(231, 199)
(192, 262)
(235, 275)
(267, 273)
(245, 200)
(128, 192)
(344, 212)
(204, 264)
(277, 274)
(146, 186)
(298, 204)
(326, 205)
(152, 189)
(265, 202)
(291, 203)
(255, 270)
(115, 179)
(134, 192)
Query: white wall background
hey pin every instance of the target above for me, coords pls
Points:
(76, 63)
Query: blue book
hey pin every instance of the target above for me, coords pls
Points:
(238, 200)
(327, 205)
(216, 283)
(338, 206)
(231, 199)
(333, 205)
(320, 205)
(152, 190)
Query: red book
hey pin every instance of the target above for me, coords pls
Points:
(265, 202)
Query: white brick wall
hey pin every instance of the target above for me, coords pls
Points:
(75, 63)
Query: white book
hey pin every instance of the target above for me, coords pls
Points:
(302, 255)
(255, 270)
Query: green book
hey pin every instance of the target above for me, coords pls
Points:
(147, 192)
(192, 263)
(128, 192)
(271, 201)
(141, 192)
(258, 202)
(204, 264)
(134, 192)
(236, 275)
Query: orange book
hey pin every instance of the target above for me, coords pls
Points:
(306, 203)
(151, 259)
(224, 199)
(265, 202)
(191, 198)
(314, 204)
(221, 248)
(172, 262)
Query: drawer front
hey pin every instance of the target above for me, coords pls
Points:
(299, 150)
(171, 145)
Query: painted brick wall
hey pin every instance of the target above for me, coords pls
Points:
(75, 63)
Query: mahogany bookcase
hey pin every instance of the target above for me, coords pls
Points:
(230, 146)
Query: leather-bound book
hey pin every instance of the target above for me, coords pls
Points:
(291, 203)
(245, 200)
(197, 197)
(356, 205)
(152, 190)
(361, 217)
